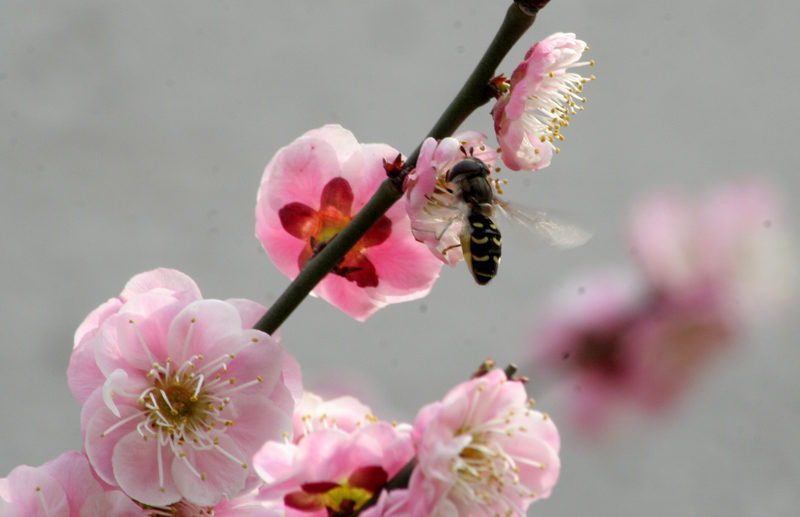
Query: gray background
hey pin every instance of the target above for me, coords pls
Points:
(133, 135)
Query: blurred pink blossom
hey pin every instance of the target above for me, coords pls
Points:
(482, 450)
(620, 343)
(63, 487)
(732, 241)
(431, 202)
(310, 191)
(538, 101)
(710, 267)
(178, 392)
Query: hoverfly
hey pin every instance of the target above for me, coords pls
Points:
(470, 186)
(481, 241)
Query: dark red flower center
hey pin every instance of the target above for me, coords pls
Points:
(340, 499)
(318, 227)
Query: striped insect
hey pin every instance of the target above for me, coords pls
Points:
(481, 242)
(466, 199)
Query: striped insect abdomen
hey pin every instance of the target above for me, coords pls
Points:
(481, 243)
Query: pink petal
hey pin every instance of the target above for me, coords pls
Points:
(89, 327)
(274, 461)
(166, 279)
(27, 486)
(99, 443)
(73, 473)
(298, 173)
(83, 374)
(210, 328)
(348, 297)
(292, 376)
(142, 327)
(250, 312)
(115, 504)
(262, 358)
(136, 470)
(283, 248)
(225, 476)
(257, 420)
(406, 268)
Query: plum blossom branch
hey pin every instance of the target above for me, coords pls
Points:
(473, 94)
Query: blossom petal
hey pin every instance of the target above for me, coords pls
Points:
(137, 470)
(101, 437)
(299, 220)
(208, 328)
(221, 478)
(168, 279)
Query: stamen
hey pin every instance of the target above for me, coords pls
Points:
(43, 501)
(120, 423)
(141, 341)
(188, 340)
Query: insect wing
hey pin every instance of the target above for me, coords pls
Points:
(551, 230)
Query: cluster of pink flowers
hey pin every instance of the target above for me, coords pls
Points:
(708, 269)
(482, 450)
(188, 411)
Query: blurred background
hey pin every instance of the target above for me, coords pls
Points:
(133, 135)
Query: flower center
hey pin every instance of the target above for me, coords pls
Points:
(319, 227)
(178, 405)
(342, 498)
(487, 475)
(184, 406)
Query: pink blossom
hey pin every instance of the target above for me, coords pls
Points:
(710, 267)
(63, 487)
(310, 191)
(178, 392)
(431, 202)
(732, 241)
(583, 333)
(483, 451)
(329, 468)
(538, 101)
(620, 343)
(313, 413)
